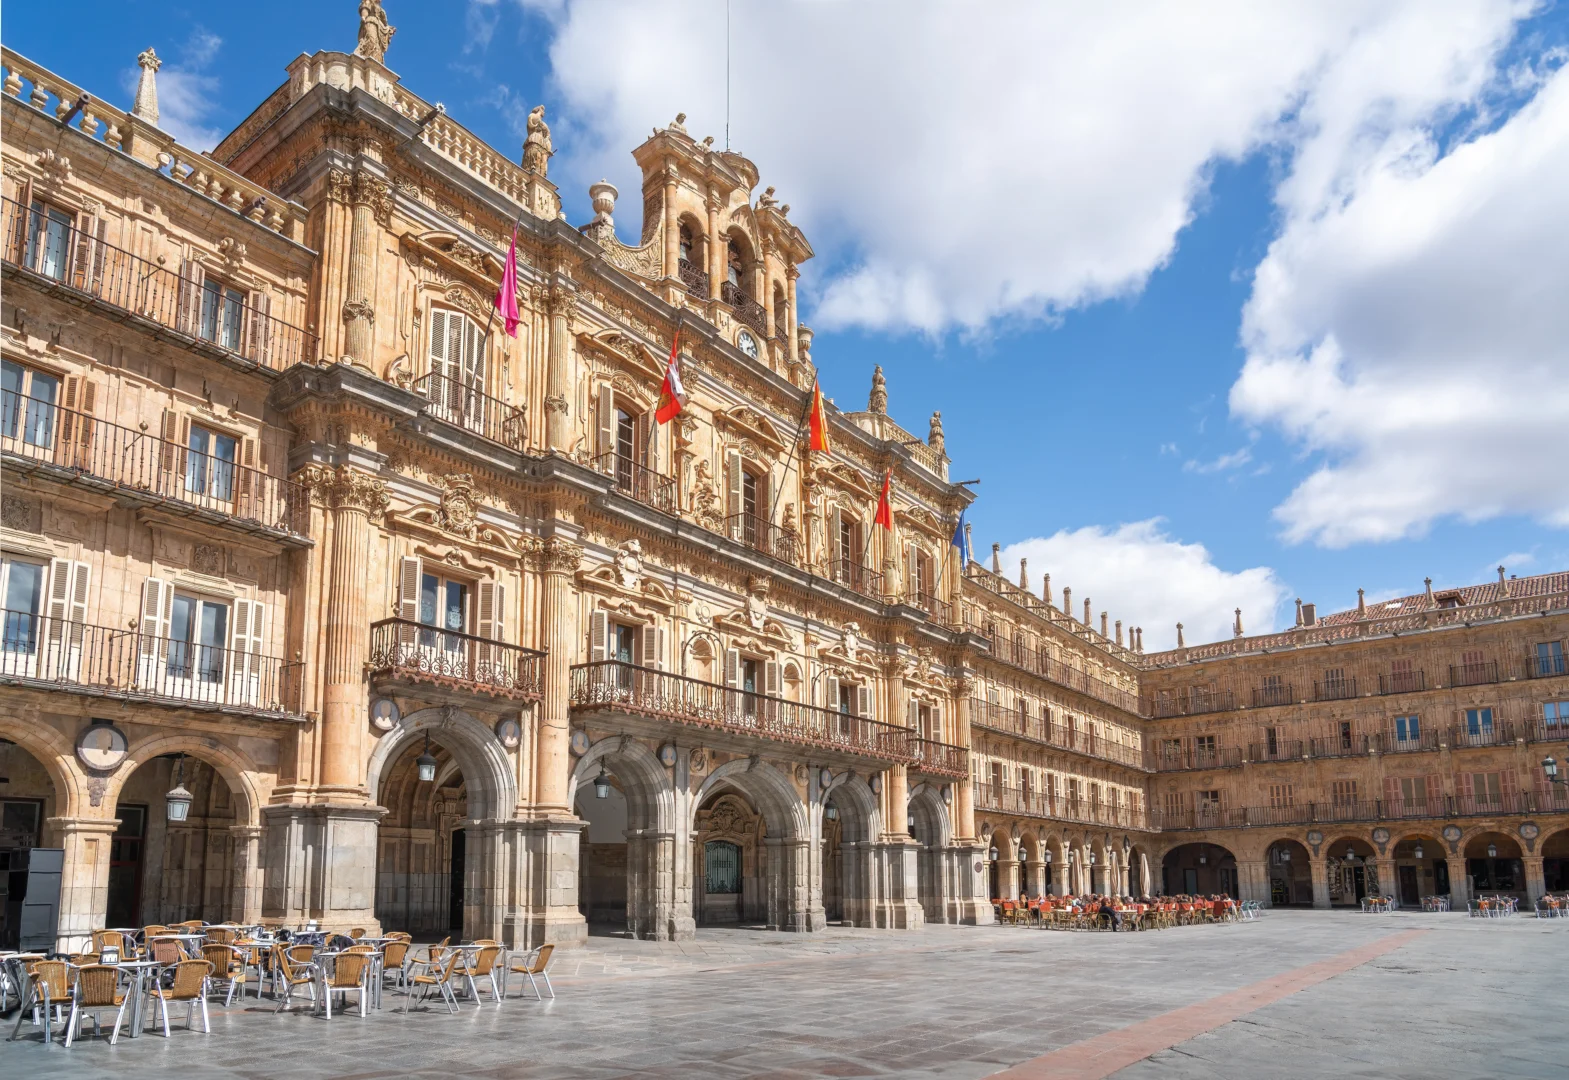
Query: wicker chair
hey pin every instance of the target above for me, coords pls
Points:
(534, 964)
(357, 933)
(292, 966)
(108, 939)
(350, 970)
(228, 966)
(190, 986)
(434, 954)
(440, 977)
(221, 935)
(50, 989)
(98, 987)
(394, 964)
(483, 966)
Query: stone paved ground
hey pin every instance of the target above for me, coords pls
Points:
(1467, 998)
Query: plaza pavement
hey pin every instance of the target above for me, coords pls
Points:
(1295, 994)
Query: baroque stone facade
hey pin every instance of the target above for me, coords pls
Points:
(441, 630)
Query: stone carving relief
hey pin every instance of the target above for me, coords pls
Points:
(54, 169)
(399, 372)
(375, 32)
(18, 513)
(537, 147)
(629, 564)
(208, 559)
(458, 512)
(705, 499)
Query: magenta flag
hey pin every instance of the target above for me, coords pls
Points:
(507, 295)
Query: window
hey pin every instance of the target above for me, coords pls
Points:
(49, 241)
(846, 703)
(927, 725)
(222, 314)
(1094, 794)
(997, 776)
(922, 581)
(1171, 749)
(1554, 713)
(27, 404)
(686, 243)
(1549, 658)
(850, 541)
(209, 465)
(1345, 735)
(733, 264)
(1488, 789)
(1408, 729)
(1209, 802)
(721, 867)
(1403, 678)
(1204, 746)
(1413, 790)
(1281, 796)
(1272, 741)
(457, 369)
(1343, 793)
(21, 597)
(198, 638)
(623, 643)
(1172, 801)
(625, 439)
(1479, 722)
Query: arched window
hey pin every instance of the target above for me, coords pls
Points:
(733, 263)
(686, 243)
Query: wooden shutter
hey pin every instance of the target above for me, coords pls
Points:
(1392, 794)
(411, 571)
(912, 585)
(607, 428)
(653, 644)
(650, 450)
(74, 448)
(438, 351)
(168, 435)
(245, 644)
(863, 701)
(245, 483)
(258, 328)
(57, 612)
(832, 704)
(831, 552)
(598, 636)
(936, 733)
(16, 240)
(912, 716)
(489, 610)
(771, 678)
(473, 357)
(189, 303)
(87, 251)
(157, 605)
(732, 668)
(733, 492)
(182, 451)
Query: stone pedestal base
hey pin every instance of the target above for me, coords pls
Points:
(544, 863)
(321, 864)
(900, 906)
(968, 904)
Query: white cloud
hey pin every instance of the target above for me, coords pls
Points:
(960, 164)
(1410, 325)
(1224, 463)
(1141, 575)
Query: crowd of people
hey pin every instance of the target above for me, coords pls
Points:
(1114, 912)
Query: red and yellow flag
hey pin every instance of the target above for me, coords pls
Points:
(672, 395)
(819, 420)
(884, 505)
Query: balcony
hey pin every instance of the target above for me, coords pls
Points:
(76, 657)
(1024, 802)
(41, 438)
(1391, 742)
(1219, 757)
(1473, 674)
(1492, 733)
(1339, 746)
(747, 311)
(940, 758)
(1540, 666)
(1040, 662)
(610, 687)
(992, 715)
(695, 278)
(1273, 694)
(412, 656)
(857, 578)
(1278, 750)
(1435, 807)
(763, 537)
(1191, 702)
(638, 483)
(1335, 690)
(466, 407)
(52, 254)
(1402, 682)
(940, 611)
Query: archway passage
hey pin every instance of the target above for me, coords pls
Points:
(1003, 866)
(602, 854)
(1555, 862)
(164, 871)
(1290, 870)
(422, 854)
(1494, 866)
(730, 866)
(1420, 870)
(928, 817)
(1350, 864)
(832, 861)
(28, 802)
(1200, 869)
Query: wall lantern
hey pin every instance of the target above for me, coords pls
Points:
(426, 763)
(177, 803)
(1048, 856)
(1285, 854)
(1492, 851)
(1418, 851)
(831, 812)
(601, 783)
(1351, 854)
(1203, 860)
(1550, 767)
(994, 853)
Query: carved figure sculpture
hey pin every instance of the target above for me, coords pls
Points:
(375, 32)
(537, 147)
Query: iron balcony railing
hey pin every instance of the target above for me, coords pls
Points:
(42, 243)
(1018, 654)
(469, 408)
(615, 687)
(855, 577)
(639, 482)
(35, 433)
(940, 758)
(747, 310)
(1393, 741)
(1011, 721)
(1544, 666)
(940, 610)
(62, 654)
(1402, 682)
(1335, 690)
(1355, 810)
(1171, 759)
(1494, 732)
(412, 651)
(1473, 674)
(695, 278)
(1025, 802)
(1273, 694)
(1339, 746)
(761, 535)
(1276, 750)
(1190, 702)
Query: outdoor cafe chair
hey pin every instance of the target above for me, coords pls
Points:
(350, 971)
(483, 966)
(49, 987)
(228, 967)
(394, 964)
(439, 977)
(98, 987)
(292, 966)
(536, 963)
(189, 985)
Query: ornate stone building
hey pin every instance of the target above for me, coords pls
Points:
(326, 599)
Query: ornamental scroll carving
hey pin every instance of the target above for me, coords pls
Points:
(458, 513)
(344, 488)
(561, 556)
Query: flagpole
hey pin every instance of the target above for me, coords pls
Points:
(790, 460)
(495, 307)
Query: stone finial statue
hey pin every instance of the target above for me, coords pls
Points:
(1237, 627)
(537, 147)
(934, 435)
(1046, 589)
(877, 402)
(996, 552)
(679, 123)
(1067, 602)
(1024, 574)
(1119, 633)
(1086, 611)
(375, 32)
(766, 200)
(146, 105)
(1179, 636)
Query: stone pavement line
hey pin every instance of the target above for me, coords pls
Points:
(1102, 1055)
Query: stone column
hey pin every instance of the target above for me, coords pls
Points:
(1388, 879)
(1122, 878)
(963, 790)
(1059, 872)
(1535, 880)
(792, 900)
(1459, 883)
(245, 899)
(718, 250)
(1320, 868)
(355, 498)
(791, 273)
(84, 881)
(672, 224)
(370, 195)
(1253, 881)
(561, 302)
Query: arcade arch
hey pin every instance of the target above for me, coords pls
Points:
(1199, 869)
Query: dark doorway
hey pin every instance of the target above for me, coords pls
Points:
(1441, 878)
(125, 868)
(1410, 893)
(455, 898)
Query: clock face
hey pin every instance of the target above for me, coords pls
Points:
(101, 747)
(747, 344)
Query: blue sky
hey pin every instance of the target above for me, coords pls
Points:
(1288, 286)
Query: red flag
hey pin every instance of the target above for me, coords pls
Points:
(819, 436)
(884, 507)
(672, 395)
(507, 295)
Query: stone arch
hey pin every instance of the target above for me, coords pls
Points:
(768, 789)
(487, 769)
(930, 813)
(237, 770)
(57, 755)
(1288, 872)
(1197, 868)
(1555, 861)
(642, 778)
(848, 850)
